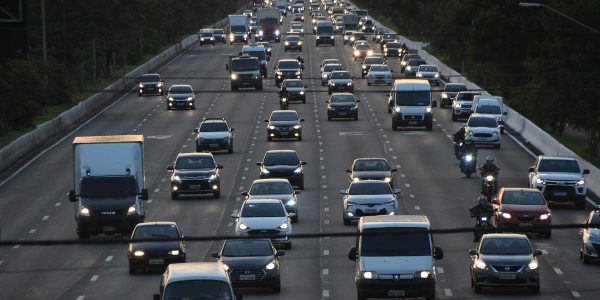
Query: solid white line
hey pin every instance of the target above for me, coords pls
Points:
(94, 278)
(326, 222)
(448, 292)
(44, 218)
(402, 175)
(325, 293)
(545, 252)
(108, 258)
(575, 294)
(417, 207)
(558, 271)
(1, 262)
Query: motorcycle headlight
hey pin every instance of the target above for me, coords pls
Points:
(403, 63)
(270, 266)
(132, 210)
(283, 226)
(370, 275)
(84, 211)
(245, 36)
(489, 178)
(539, 181)
(408, 68)
(545, 216)
(174, 252)
(480, 264)
(580, 182)
(505, 215)
(297, 126)
(234, 76)
(243, 226)
(283, 100)
(364, 67)
(533, 265)
(265, 171)
(141, 85)
(277, 32)
(468, 157)
(300, 43)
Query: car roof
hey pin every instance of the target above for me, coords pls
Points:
(252, 201)
(195, 154)
(181, 85)
(270, 180)
(343, 94)
(280, 111)
(558, 157)
(214, 120)
(158, 223)
(428, 66)
(504, 235)
(518, 189)
(398, 221)
(195, 271)
(341, 71)
(455, 84)
(280, 151)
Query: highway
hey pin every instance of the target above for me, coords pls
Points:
(35, 206)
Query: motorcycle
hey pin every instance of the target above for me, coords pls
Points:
(467, 163)
(482, 213)
(283, 103)
(489, 186)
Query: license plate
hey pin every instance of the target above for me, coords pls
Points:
(412, 123)
(395, 293)
(507, 276)
(213, 145)
(343, 113)
(109, 228)
(156, 261)
(284, 133)
(525, 224)
(560, 194)
(370, 211)
(195, 187)
(248, 277)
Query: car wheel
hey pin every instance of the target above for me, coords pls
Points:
(580, 204)
(583, 257)
(356, 117)
(536, 289)
(360, 296)
(230, 150)
(454, 118)
(288, 246)
(300, 138)
(394, 126)
(295, 218)
(476, 288)
(217, 194)
(304, 100)
(83, 235)
(347, 221)
(429, 127)
(132, 270)
(140, 94)
(174, 196)
(168, 107)
(277, 287)
(193, 107)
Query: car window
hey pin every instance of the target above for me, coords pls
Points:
(342, 98)
(455, 87)
(482, 122)
(284, 116)
(206, 34)
(213, 127)
(271, 188)
(194, 163)
(247, 248)
(371, 165)
(415, 62)
(330, 68)
(559, 165)
(369, 188)
(395, 242)
(379, 68)
(292, 83)
(341, 75)
(252, 210)
(150, 78)
(218, 31)
(363, 47)
(466, 96)
(522, 198)
(505, 246)
(180, 90)
(156, 232)
(288, 64)
(292, 38)
(281, 159)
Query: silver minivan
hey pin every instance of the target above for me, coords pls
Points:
(395, 257)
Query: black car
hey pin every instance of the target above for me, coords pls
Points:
(155, 254)
(251, 263)
(195, 173)
(342, 105)
(450, 92)
(287, 68)
(150, 84)
(392, 49)
(340, 81)
(371, 169)
(368, 26)
(214, 134)
(292, 42)
(294, 90)
(405, 59)
(283, 164)
(284, 124)
(181, 96)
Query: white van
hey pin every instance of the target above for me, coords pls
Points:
(199, 280)
(491, 106)
(395, 257)
(410, 103)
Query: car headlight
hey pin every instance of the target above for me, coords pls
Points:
(283, 100)
(141, 85)
(84, 211)
(545, 216)
(243, 226)
(300, 43)
(533, 265)
(370, 275)
(580, 182)
(422, 274)
(291, 202)
(403, 63)
(298, 170)
(159, 84)
(233, 76)
(301, 92)
(428, 109)
(231, 36)
(189, 98)
(277, 32)
(283, 226)
(397, 109)
(444, 95)
(176, 178)
(480, 264)
(298, 73)
(323, 75)
(265, 171)
(212, 177)
(270, 266)
(245, 36)
(419, 75)
(356, 53)
(170, 98)
(349, 83)
(297, 126)
(286, 43)
(505, 215)
(495, 133)
(132, 210)
(539, 181)
(138, 253)
(225, 267)
(364, 67)
(202, 39)
(271, 127)
(408, 68)
(174, 252)
(387, 179)
(468, 157)
(437, 75)
(260, 32)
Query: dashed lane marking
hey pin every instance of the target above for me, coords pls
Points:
(407, 185)
(325, 252)
(32, 231)
(81, 297)
(558, 271)
(575, 294)
(412, 195)
(58, 204)
(17, 246)
(44, 218)
(109, 258)
(417, 207)
(325, 271)
(440, 270)
(94, 278)
(325, 293)
(157, 190)
(448, 292)
(326, 209)
(402, 175)
(326, 222)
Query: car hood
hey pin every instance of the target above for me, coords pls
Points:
(263, 222)
(213, 135)
(559, 176)
(342, 104)
(283, 123)
(373, 73)
(295, 89)
(283, 197)
(531, 209)
(371, 174)
(281, 168)
(482, 129)
(396, 264)
(288, 70)
(156, 246)
(248, 262)
(195, 173)
(180, 96)
(506, 259)
(370, 199)
(340, 81)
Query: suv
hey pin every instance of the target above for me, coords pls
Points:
(207, 37)
(199, 280)
(181, 96)
(559, 178)
(275, 188)
(195, 173)
(340, 81)
(283, 164)
(395, 257)
(287, 68)
(342, 105)
(516, 208)
(150, 84)
(214, 134)
(284, 124)
(371, 169)
(429, 72)
(368, 198)
(462, 103)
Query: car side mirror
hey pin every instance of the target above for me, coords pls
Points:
(353, 254)
(279, 253)
(144, 194)
(538, 252)
(72, 196)
(292, 215)
(301, 120)
(244, 193)
(266, 121)
(504, 113)
(434, 103)
(343, 192)
(170, 168)
(219, 166)
(532, 169)
(303, 163)
(215, 255)
(348, 171)
(472, 252)
(231, 129)
(258, 163)
(156, 297)
(196, 130)
(234, 215)
(227, 67)
(438, 253)
(586, 171)
(297, 192)
(391, 71)
(397, 191)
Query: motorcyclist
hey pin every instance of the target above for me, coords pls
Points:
(483, 207)
(489, 168)
(467, 147)
(283, 93)
(459, 137)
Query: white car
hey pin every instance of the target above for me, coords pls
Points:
(484, 130)
(275, 188)
(560, 178)
(264, 218)
(379, 74)
(429, 72)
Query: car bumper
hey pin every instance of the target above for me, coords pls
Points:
(180, 104)
(562, 193)
(293, 47)
(213, 145)
(395, 289)
(282, 77)
(108, 224)
(385, 80)
(155, 261)
(196, 187)
(290, 134)
(494, 140)
(263, 279)
(404, 120)
(487, 278)
(150, 90)
(205, 42)
(337, 113)
(354, 212)
(515, 225)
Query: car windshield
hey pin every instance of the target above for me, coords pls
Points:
(150, 78)
(181, 89)
(198, 290)
(371, 165)
(413, 98)
(466, 96)
(382, 68)
(489, 109)
(155, 232)
(325, 28)
(292, 83)
(392, 45)
(389, 36)
(363, 47)
(369, 188)
(244, 64)
(505, 246)
(359, 36)
(269, 21)
(238, 29)
(455, 87)
(269, 210)
(108, 187)
(373, 60)
(206, 34)
(523, 198)
(482, 122)
(247, 248)
(342, 98)
(260, 54)
(271, 188)
(281, 159)
(341, 75)
(428, 69)
(415, 62)
(330, 67)
(395, 242)
(292, 38)
(213, 127)
(297, 26)
(194, 163)
(289, 64)
(284, 116)
(595, 220)
(218, 31)
(559, 165)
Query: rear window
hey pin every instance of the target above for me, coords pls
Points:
(523, 198)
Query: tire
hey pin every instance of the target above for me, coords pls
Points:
(217, 194)
(83, 235)
(584, 258)
(230, 149)
(132, 270)
(234, 87)
(300, 137)
(347, 222)
(454, 118)
(356, 117)
(193, 107)
(580, 204)
(140, 94)
(360, 296)
(304, 101)
(174, 196)
(168, 107)
(295, 219)
(277, 287)
(259, 87)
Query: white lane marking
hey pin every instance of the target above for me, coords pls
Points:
(391, 149)
(402, 175)
(326, 209)
(243, 177)
(324, 186)
(448, 292)
(325, 197)
(544, 252)
(417, 207)
(149, 201)
(394, 157)
(109, 258)
(156, 190)
(17, 246)
(326, 222)
(229, 224)
(325, 271)
(325, 252)
(440, 270)
(44, 218)
(81, 297)
(1, 262)
(407, 185)
(184, 146)
(412, 195)
(94, 278)
(246, 169)
(575, 294)
(57, 203)
(322, 167)
(325, 293)
(32, 231)
(558, 271)
(163, 180)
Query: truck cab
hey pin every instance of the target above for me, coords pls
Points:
(411, 104)
(239, 28)
(395, 257)
(244, 71)
(108, 184)
(268, 24)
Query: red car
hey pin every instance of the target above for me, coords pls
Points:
(521, 208)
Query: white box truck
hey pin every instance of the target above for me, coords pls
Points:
(239, 26)
(350, 22)
(108, 184)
